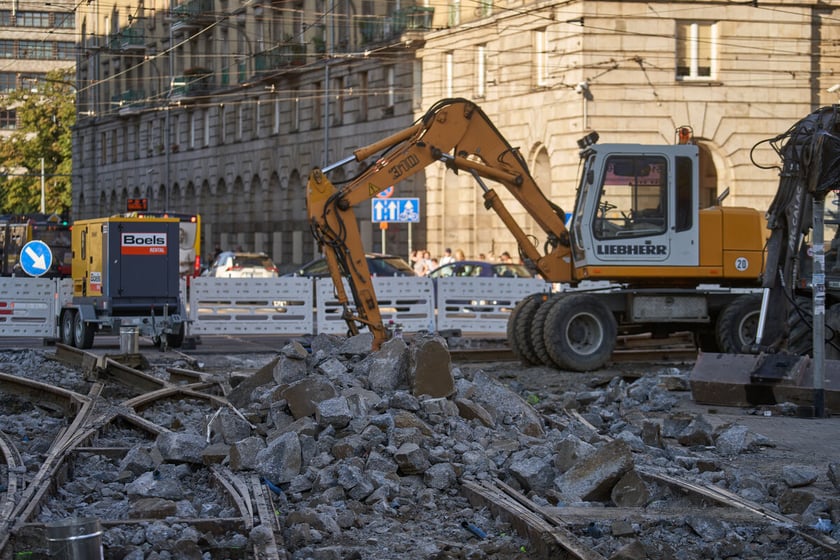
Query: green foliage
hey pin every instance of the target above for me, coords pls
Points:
(45, 119)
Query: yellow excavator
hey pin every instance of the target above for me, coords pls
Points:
(670, 265)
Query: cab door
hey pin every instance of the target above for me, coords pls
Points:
(641, 207)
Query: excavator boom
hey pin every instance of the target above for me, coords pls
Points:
(457, 133)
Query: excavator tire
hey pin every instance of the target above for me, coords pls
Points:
(538, 331)
(737, 325)
(832, 332)
(580, 333)
(176, 339)
(800, 332)
(519, 329)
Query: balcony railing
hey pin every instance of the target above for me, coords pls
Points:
(376, 29)
(282, 55)
(129, 101)
(193, 83)
(128, 39)
(192, 13)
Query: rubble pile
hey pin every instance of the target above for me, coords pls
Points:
(366, 452)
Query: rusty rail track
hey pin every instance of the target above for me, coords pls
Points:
(89, 416)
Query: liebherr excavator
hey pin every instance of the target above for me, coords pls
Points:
(636, 223)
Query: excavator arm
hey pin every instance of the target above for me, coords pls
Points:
(457, 133)
(810, 154)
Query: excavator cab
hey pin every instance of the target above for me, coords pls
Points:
(636, 208)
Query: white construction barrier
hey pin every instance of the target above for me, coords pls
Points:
(293, 306)
(28, 306)
(251, 306)
(481, 305)
(403, 300)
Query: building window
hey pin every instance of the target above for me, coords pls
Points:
(5, 18)
(363, 97)
(193, 129)
(695, 50)
(480, 70)
(205, 119)
(449, 73)
(8, 82)
(8, 119)
(7, 48)
(316, 107)
(240, 121)
(454, 13)
(541, 54)
(275, 129)
(32, 19)
(295, 125)
(485, 8)
(338, 111)
(258, 114)
(391, 82)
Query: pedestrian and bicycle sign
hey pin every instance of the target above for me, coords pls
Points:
(395, 210)
(35, 258)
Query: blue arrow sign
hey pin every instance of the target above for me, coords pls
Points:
(35, 258)
(395, 210)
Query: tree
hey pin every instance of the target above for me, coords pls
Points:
(45, 117)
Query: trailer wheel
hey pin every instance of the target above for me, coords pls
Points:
(82, 333)
(580, 332)
(538, 332)
(737, 325)
(176, 339)
(66, 327)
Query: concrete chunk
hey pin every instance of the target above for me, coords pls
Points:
(593, 478)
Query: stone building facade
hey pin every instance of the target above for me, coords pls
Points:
(35, 38)
(224, 106)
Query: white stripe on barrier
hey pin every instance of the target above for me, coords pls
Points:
(404, 300)
(251, 306)
(28, 307)
(481, 305)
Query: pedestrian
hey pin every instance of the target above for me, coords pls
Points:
(505, 257)
(418, 264)
(459, 255)
(447, 257)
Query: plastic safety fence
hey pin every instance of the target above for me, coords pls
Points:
(403, 300)
(481, 305)
(28, 306)
(251, 306)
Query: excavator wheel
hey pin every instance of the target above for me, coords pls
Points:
(519, 329)
(580, 332)
(801, 334)
(538, 331)
(737, 324)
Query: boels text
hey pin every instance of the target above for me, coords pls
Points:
(631, 249)
(143, 244)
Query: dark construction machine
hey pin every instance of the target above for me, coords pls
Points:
(125, 274)
(670, 265)
(797, 258)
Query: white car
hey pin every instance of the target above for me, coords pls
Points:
(230, 264)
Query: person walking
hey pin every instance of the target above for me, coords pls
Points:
(447, 257)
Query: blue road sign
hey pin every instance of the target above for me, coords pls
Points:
(35, 258)
(395, 210)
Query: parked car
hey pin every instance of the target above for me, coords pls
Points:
(231, 264)
(481, 268)
(378, 264)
